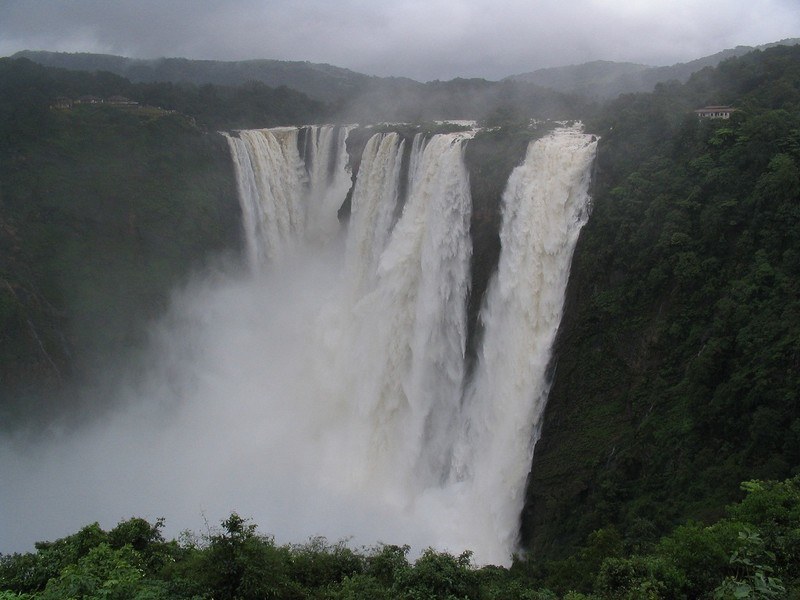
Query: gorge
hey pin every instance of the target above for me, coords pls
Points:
(403, 421)
(327, 384)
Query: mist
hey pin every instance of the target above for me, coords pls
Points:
(223, 415)
(236, 405)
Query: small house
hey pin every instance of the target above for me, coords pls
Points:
(62, 102)
(89, 100)
(715, 112)
(121, 101)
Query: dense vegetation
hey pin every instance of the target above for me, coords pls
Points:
(238, 95)
(30, 88)
(677, 370)
(319, 81)
(753, 553)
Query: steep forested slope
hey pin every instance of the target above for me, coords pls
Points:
(102, 210)
(606, 79)
(677, 369)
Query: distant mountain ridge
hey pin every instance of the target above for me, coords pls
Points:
(596, 80)
(599, 78)
(319, 81)
(603, 80)
(349, 95)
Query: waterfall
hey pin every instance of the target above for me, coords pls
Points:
(329, 179)
(268, 166)
(373, 204)
(284, 203)
(544, 207)
(391, 416)
(413, 322)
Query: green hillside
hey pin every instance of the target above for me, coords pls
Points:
(320, 81)
(606, 80)
(677, 372)
(221, 93)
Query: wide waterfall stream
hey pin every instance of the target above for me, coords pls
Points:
(323, 390)
(402, 424)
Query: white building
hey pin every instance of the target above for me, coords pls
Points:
(715, 112)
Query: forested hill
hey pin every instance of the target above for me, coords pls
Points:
(606, 80)
(677, 368)
(229, 94)
(104, 208)
(320, 81)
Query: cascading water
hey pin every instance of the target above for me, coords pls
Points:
(329, 179)
(303, 203)
(401, 424)
(268, 165)
(544, 207)
(323, 391)
(374, 200)
(410, 328)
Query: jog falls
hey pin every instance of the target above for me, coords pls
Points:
(375, 338)
(382, 406)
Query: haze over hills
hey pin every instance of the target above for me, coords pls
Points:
(600, 78)
(348, 96)
(596, 79)
(603, 79)
(320, 81)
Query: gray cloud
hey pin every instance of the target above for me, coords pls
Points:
(423, 39)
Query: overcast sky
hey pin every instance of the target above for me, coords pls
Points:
(422, 39)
